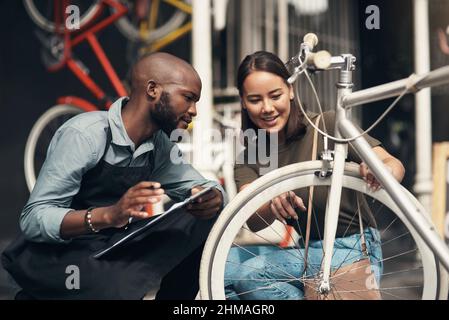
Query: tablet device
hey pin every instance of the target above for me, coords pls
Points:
(148, 223)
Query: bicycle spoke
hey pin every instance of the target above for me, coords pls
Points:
(394, 248)
(398, 237)
(315, 290)
(300, 233)
(260, 279)
(319, 235)
(277, 245)
(277, 267)
(349, 225)
(384, 292)
(401, 271)
(388, 273)
(269, 225)
(392, 222)
(398, 255)
(261, 288)
(382, 289)
(246, 266)
(347, 229)
(354, 292)
(383, 260)
(393, 295)
(318, 231)
(353, 247)
(297, 225)
(347, 255)
(337, 292)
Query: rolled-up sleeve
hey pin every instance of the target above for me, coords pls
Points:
(70, 154)
(176, 175)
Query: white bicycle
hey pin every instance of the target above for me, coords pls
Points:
(415, 259)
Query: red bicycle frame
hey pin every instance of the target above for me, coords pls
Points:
(89, 35)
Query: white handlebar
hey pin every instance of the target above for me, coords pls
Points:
(310, 40)
(319, 60)
(316, 60)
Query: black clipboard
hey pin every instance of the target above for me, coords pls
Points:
(147, 224)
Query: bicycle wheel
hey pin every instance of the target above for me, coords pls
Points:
(168, 18)
(42, 13)
(410, 270)
(40, 137)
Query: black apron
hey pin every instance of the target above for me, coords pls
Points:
(42, 269)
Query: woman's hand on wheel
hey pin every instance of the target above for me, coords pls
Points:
(369, 177)
(133, 202)
(283, 206)
(391, 163)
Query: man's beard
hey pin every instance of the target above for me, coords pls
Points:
(164, 114)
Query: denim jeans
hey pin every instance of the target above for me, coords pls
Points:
(273, 269)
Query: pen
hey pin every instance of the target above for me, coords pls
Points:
(129, 222)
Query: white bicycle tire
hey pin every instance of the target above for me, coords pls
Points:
(35, 133)
(281, 180)
(132, 33)
(43, 23)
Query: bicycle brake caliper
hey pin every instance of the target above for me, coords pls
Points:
(327, 156)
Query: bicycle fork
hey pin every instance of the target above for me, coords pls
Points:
(333, 200)
(332, 211)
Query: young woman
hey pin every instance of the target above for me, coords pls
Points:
(268, 103)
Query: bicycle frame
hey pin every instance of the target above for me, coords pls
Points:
(346, 129)
(89, 35)
(71, 38)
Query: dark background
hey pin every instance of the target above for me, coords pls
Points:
(27, 90)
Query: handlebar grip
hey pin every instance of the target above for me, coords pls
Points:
(311, 40)
(320, 59)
